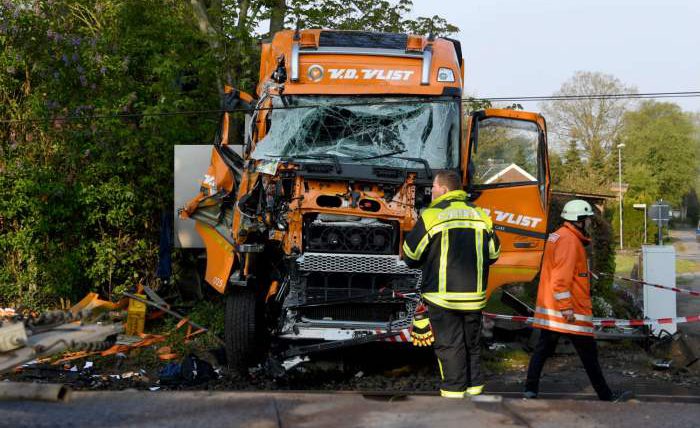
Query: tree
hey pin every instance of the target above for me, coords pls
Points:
(278, 12)
(367, 15)
(660, 154)
(87, 162)
(594, 123)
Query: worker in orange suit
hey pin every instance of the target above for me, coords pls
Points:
(564, 302)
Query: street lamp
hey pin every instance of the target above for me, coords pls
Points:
(619, 182)
(643, 207)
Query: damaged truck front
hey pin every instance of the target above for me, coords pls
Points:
(303, 222)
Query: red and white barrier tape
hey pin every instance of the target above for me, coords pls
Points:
(665, 287)
(403, 335)
(605, 322)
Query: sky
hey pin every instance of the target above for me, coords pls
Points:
(530, 47)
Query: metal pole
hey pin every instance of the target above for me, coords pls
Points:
(619, 181)
(645, 223)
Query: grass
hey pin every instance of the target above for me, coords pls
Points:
(625, 262)
(687, 266)
(494, 304)
(505, 360)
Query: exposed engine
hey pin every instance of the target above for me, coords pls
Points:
(350, 234)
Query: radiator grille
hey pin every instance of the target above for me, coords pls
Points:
(377, 312)
(328, 262)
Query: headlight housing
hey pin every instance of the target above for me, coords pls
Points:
(445, 75)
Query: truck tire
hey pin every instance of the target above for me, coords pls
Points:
(241, 328)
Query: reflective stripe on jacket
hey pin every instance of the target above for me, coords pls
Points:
(564, 284)
(454, 242)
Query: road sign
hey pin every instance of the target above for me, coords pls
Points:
(660, 211)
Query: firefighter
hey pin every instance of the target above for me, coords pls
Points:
(564, 301)
(454, 243)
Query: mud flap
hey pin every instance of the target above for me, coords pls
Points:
(220, 257)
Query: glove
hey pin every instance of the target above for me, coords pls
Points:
(421, 331)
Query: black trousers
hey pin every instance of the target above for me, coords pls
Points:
(585, 348)
(457, 347)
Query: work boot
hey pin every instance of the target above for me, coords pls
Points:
(530, 394)
(451, 394)
(621, 396)
(474, 390)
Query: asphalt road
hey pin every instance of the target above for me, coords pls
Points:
(687, 245)
(687, 248)
(245, 409)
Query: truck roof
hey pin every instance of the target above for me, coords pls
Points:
(321, 62)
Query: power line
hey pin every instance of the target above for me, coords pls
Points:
(683, 94)
(649, 95)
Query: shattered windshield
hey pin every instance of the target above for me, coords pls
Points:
(374, 131)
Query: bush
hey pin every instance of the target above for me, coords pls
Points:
(81, 198)
(632, 225)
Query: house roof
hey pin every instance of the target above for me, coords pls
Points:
(514, 168)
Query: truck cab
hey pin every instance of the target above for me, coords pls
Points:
(303, 220)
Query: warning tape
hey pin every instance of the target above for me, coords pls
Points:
(665, 287)
(605, 322)
(403, 335)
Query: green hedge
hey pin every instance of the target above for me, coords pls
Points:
(632, 225)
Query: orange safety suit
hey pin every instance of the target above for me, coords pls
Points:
(564, 284)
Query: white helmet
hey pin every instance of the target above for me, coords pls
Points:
(575, 209)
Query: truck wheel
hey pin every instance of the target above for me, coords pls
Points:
(242, 326)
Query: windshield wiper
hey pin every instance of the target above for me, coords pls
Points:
(383, 155)
(336, 159)
(425, 163)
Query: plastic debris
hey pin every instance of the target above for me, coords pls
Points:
(293, 362)
(497, 346)
(662, 364)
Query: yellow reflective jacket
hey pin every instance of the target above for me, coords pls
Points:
(455, 244)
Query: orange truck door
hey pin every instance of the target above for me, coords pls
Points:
(507, 174)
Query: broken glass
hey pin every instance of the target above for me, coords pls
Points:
(353, 128)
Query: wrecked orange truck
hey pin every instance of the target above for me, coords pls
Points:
(303, 219)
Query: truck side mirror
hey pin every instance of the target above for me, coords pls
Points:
(237, 100)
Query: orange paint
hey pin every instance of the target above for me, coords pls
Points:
(329, 74)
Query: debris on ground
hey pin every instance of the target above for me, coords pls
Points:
(662, 364)
(191, 371)
(79, 345)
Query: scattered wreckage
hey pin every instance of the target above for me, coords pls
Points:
(27, 337)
